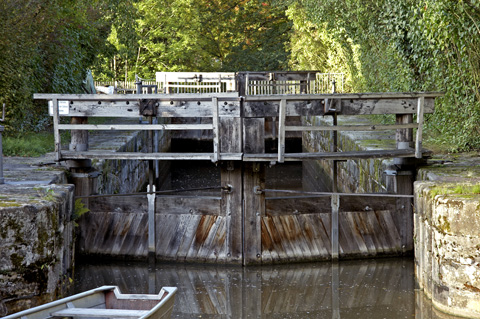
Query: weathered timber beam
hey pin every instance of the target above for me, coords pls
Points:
(173, 108)
(134, 127)
(350, 127)
(344, 96)
(305, 106)
(191, 205)
(229, 96)
(330, 155)
(67, 155)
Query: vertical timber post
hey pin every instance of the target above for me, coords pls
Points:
(334, 226)
(231, 181)
(151, 223)
(81, 172)
(254, 197)
(404, 183)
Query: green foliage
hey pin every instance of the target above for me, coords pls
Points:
(462, 189)
(28, 144)
(45, 46)
(195, 35)
(79, 209)
(402, 45)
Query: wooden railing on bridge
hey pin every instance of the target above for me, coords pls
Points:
(223, 106)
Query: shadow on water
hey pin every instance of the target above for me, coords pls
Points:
(382, 288)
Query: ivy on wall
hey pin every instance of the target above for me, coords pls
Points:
(401, 45)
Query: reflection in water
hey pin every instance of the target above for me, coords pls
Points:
(350, 289)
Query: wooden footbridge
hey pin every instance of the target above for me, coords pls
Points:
(246, 223)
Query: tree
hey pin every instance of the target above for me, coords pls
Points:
(46, 46)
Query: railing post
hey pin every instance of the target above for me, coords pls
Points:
(418, 142)
(281, 130)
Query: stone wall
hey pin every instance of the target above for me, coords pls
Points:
(447, 238)
(125, 176)
(360, 176)
(36, 244)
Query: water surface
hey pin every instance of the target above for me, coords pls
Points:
(382, 288)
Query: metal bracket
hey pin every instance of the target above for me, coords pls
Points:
(227, 189)
(332, 105)
(148, 107)
(257, 190)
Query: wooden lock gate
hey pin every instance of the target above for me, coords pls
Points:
(243, 224)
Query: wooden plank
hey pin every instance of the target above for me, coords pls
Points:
(217, 244)
(195, 105)
(191, 226)
(278, 206)
(105, 154)
(166, 229)
(330, 155)
(372, 228)
(135, 127)
(254, 208)
(283, 237)
(175, 241)
(346, 238)
(388, 228)
(315, 229)
(102, 313)
(254, 135)
(216, 132)
(231, 136)
(281, 131)
(324, 230)
(231, 206)
(56, 132)
(278, 250)
(207, 222)
(342, 128)
(134, 233)
(367, 203)
(127, 222)
(305, 242)
(227, 96)
(151, 219)
(343, 96)
(205, 252)
(334, 232)
(418, 142)
(356, 234)
(193, 205)
(294, 236)
(305, 105)
(121, 204)
(305, 224)
(268, 253)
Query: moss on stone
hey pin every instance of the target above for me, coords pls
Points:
(458, 189)
(9, 203)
